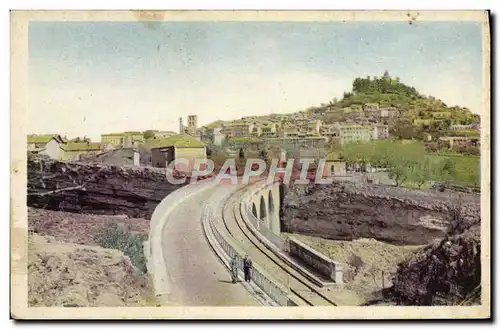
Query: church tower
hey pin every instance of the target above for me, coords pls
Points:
(192, 124)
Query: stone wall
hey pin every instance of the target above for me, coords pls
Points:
(320, 263)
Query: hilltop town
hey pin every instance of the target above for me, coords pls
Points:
(376, 109)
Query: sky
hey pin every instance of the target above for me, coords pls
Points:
(89, 78)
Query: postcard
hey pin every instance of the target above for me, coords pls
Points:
(250, 165)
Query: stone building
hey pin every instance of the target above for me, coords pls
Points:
(380, 132)
(192, 124)
(238, 129)
(123, 139)
(74, 151)
(175, 147)
(50, 145)
(354, 133)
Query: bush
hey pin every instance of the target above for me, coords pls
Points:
(116, 237)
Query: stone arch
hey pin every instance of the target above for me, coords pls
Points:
(263, 212)
(254, 210)
(270, 201)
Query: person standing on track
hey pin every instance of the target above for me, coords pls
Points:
(247, 268)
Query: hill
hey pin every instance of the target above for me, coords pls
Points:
(390, 92)
(423, 113)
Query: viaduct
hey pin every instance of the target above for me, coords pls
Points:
(197, 229)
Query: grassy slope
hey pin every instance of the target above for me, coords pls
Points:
(467, 168)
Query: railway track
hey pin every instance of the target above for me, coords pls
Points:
(299, 286)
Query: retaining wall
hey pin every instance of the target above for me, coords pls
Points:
(316, 260)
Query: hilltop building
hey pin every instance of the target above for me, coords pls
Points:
(181, 126)
(269, 130)
(192, 128)
(238, 129)
(462, 127)
(380, 132)
(192, 124)
(355, 132)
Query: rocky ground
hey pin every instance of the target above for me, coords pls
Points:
(447, 272)
(79, 228)
(347, 211)
(66, 268)
(72, 275)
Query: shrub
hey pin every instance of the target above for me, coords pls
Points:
(356, 262)
(116, 237)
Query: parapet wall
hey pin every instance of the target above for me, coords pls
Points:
(316, 260)
(153, 250)
(225, 248)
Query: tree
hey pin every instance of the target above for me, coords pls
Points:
(356, 262)
(347, 94)
(386, 75)
(403, 129)
(458, 222)
(466, 148)
(400, 172)
(149, 134)
(83, 139)
(432, 147)
(447, 170)
(423, 171)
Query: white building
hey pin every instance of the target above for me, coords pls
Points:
(50, 145)
(218, 136)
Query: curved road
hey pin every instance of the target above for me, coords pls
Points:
(197, 277)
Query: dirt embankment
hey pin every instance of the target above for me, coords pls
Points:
(96, 188)
(72, 275)
(67, 268)
(347, 211)
(80, 228)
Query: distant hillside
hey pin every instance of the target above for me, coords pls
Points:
(387, 92)
(391, 92)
